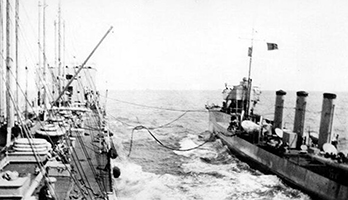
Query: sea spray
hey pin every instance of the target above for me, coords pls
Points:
(210, 172)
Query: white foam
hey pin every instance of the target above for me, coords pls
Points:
(186, 143)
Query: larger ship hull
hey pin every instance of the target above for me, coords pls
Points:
(290, 171)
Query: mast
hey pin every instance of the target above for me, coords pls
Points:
(44, 53)
(9, 65)
(59, 49)
(2, 80)
(54, 77)
(63, 60)
(39, 101)
(248, 107)
(26, 92)
(81, 67)
(16, 56)
(58, 72)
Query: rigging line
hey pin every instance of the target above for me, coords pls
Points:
(23, 40)
(32, 108)
(29, 22)
(140, 127)
(32, 148)
(16, 107)
(82, 65)
(19, 86)
(93, 117)
(27, 101)
(88, 159)
(79, 82)
(155, 127)
(96, 121)
(94, 88)
(48, 92)
(90, 79)
(74, 178)
(18, 111)
(80, 174)
(75, 181)
(90, 128)
(44, 84)
(81, 85)
(161, 126)
(36, 156)
(96, 148)
(80, 169)
(155, 107)
(40, 164)
(99, 116)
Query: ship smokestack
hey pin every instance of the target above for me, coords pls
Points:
(327, 113)
(300, 113)
(278, 112)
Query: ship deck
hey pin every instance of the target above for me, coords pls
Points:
(322, 178)
(88, 160)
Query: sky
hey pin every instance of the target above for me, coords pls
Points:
(198, 44)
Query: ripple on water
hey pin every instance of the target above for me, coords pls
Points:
(210, 172)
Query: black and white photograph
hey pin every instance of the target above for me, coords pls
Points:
(173, 100)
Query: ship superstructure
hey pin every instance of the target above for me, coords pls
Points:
(311, 163)
(60, 147)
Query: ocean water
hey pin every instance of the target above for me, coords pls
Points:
(150, 171)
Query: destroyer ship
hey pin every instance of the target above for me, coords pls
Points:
(60, 146)
(310, 163)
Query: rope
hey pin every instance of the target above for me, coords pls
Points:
(155, 107)
(176, 119)
(97, 120)
(81, 172)
(49, 94)
(89, 161)
(26, 131)
(151, 128)
(71, 175)
(100, 184)
(140, 127)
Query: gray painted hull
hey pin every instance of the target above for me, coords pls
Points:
(303, 178)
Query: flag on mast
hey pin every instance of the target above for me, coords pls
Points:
(250, 51)
(272, 46)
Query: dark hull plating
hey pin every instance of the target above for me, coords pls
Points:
(305, 179)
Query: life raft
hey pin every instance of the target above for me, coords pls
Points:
(49, 127)
(56, 119)
(36, 145)
(51, 130)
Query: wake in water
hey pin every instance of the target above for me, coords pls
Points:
(209, 172)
